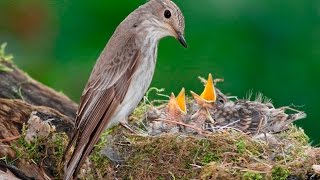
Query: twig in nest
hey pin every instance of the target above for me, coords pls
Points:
(200, 131)
(9, 139)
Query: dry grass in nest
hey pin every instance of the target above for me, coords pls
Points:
(224, 155)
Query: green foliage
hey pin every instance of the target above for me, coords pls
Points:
(59, 141)
(101, 162)
(27, 150)
(160, 178)
(209, 157)
(280, 173)
(51, 147)
(3, 55)
(241, 146)
(252, 176)
(298, 134)
(4, 68)
(229, 155)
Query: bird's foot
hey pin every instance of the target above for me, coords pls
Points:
(126, 125)
(133, 129)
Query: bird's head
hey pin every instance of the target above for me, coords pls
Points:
(166, 19)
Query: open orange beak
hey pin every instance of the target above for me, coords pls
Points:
(178, 103)
(181, 100)
(209, 94)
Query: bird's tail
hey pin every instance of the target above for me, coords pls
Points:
(72, 164)
(282, 119)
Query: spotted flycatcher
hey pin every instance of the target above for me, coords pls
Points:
(122, 75)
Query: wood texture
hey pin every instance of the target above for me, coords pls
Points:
(16, 84)
(21, 96)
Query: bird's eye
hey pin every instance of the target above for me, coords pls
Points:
(167, 14)
(221, 101)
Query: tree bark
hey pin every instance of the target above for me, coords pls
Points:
(21, 96)
(16, 84)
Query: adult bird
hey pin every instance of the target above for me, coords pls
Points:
(122, 75)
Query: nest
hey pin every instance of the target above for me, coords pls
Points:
(227, 154)
(232, 139)
(160, 147)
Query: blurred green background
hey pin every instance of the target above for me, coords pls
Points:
(268, 46)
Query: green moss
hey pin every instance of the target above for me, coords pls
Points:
(59, 142)
(241, 146)
(3, 55)
(226, 155)
(252, 176)
(219, 155)
(174, 156)
(280, 173)
(101, 162)
(50, 148)
(4, 68)
(25, 149)
(209, 157)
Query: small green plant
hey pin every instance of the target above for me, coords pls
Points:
(4, 68)
(241, 146)
(101, 162)
(25, 149)
(160, 178)
(51, 147)
(3, 55)
(59, 141)
(209, 157)
(252, 176)
(280, 173)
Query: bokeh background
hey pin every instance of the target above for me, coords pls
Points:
(267, 46)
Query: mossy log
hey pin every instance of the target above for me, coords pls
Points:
(16, 84)
(20, 98)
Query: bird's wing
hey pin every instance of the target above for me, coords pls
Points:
(107, 76)
(106, 89)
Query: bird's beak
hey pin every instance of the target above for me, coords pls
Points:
(181, 100)
(209, 94)
(181, 39)
(177, 105)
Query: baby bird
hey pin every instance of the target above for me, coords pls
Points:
(254, 117)
(169, 118)
(204, 102)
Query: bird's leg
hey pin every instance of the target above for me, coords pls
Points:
(209, 117)
(132, 129)
(124, 123)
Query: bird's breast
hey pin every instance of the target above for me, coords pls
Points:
(142, 77)
(140, 82)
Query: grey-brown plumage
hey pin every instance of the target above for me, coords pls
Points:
(253, 117)
(122, 74)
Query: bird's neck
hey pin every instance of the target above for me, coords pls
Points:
(149, 36)
(149, 47)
